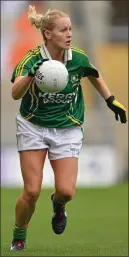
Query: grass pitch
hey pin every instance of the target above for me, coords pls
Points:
(97, 224)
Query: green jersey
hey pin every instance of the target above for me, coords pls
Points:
(58, 110)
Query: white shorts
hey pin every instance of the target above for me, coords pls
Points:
(60, 142)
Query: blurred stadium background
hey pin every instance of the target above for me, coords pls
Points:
(101, 29)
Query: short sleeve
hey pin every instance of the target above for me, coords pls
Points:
(23, 67)
(17, 72)
(88, 68)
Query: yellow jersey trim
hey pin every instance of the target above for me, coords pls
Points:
(37, 100)
(28, 117)
(78, 51)
(32, 98)
(25, 59)
(30, 51)
(74, 120)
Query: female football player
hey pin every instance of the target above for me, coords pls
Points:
(52, 123)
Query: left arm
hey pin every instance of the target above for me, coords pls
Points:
(100, 85)
(114, 105)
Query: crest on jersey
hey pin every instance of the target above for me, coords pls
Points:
(74, 79)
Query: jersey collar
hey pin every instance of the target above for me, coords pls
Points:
(45, 54)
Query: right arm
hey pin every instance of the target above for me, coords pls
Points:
(20, 86)
(22, 83)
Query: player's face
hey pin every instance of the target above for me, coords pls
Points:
(61, 34)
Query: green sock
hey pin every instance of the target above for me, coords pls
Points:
(19, 233)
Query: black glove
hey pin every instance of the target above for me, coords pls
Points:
(35, 67)
(117, 108)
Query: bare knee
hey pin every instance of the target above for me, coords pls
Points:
(65, 194)
(31, 194)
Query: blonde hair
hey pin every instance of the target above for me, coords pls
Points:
(46, 21)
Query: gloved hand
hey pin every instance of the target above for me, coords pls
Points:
(117, 108)
(35, 67)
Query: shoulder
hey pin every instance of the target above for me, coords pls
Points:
(26, 62)
(30, 57)
(32, 53)
(78, 52)
(35, 51)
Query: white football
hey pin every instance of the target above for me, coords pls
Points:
(51, 77)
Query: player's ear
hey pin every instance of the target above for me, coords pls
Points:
(47, 34)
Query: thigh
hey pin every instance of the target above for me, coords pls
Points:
(65, 172)
(32, 163)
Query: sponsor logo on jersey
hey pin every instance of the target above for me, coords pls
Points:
(57, 97)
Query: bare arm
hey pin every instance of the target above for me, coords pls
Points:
(22, 83)
(100, 85)
(20, 86)
(114, 105)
